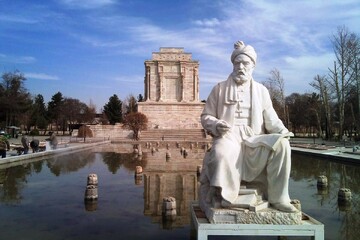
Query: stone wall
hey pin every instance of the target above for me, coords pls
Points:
(172, 116)
(110, 131)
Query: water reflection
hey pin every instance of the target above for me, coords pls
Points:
(65, 164)
(322, 203)
(13, 180)
(55, 187)
(176, 177)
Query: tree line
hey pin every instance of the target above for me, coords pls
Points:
(333, 109)
(19, 108)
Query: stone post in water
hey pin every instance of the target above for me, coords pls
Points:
(91, 192)
(344, 199)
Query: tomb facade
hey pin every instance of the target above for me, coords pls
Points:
(171, 90)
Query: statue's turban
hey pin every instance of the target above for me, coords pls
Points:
(241, 48)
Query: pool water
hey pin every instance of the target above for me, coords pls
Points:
(45, 199)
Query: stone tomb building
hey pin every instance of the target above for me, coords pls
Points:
(172, 90)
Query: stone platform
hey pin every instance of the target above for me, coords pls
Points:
(306, 227)
(245, 216)
(263, 215)
(248, 208)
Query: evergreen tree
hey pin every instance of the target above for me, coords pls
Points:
(55, 108)
(39, 113)
(113, 110)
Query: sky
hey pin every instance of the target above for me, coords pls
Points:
(93, 49)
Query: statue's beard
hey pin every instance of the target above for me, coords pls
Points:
(240, 77)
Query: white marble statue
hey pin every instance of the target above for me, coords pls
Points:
(250, 142)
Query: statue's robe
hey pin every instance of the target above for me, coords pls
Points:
(260, 151)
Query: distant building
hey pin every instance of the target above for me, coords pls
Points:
(172, 90)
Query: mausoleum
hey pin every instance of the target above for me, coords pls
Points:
(171, 86)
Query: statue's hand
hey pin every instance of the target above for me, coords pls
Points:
(222, 127)
(287, 132)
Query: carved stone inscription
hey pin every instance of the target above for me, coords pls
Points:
(172, 89)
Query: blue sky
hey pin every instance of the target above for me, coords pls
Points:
(92, 49)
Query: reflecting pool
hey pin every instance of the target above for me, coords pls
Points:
(44, 199)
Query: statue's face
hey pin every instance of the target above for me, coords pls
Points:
(243, 69)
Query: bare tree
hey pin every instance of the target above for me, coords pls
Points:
(320, 84)
(354, 48)
(72, 111)
(89, 114)
(130, 104)
(341, 76)
(136, 122)
(15, 99)
(276, 85)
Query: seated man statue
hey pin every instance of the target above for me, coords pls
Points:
(250, 142)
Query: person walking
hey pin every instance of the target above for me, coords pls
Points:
(25, 144)
(53, 141)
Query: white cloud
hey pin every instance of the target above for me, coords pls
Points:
(313, 62)
(97, 42)
(199, 43)
(292, 36)
(207, 22)
(298, 72)
(16, 59)
(297, 44)
(41, 76)
(279, 24)
(130, 79)
(17, 19)
(87, 3)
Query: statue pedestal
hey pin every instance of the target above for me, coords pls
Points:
(248, 208)
(306, 227)
(245, 216)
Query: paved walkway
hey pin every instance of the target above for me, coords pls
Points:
(339, 151)
(64, 146)
(340, 154)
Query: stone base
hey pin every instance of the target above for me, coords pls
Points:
(254, 213)
(249, 208)
(309, 227)
(245, 216)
